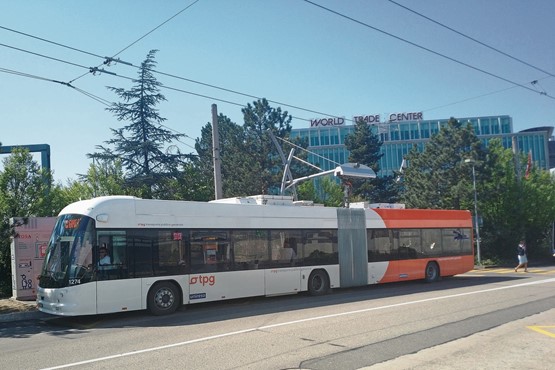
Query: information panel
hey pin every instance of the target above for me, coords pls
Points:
(28, 249)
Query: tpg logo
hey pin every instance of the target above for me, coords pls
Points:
(203, 279)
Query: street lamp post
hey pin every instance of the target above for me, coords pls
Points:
(471, 161)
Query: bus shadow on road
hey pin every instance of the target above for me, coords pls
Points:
(250, 307)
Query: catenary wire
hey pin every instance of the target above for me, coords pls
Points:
(49, 41)
(86, 93)
(45, 56)
(92, 69)
(145, 35)
(482, 95)
(196, 82)
(472, 38)
(424, 48)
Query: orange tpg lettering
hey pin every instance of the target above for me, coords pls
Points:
(203, 279)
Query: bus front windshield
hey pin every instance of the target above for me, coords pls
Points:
(68, 257)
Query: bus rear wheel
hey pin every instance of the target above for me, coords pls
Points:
(318, 283)
(431, 274)
(163, 298)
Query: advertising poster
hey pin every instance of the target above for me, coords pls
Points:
(28, 249)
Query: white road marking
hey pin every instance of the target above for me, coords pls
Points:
(223, 335)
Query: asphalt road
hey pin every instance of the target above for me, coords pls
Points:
(493, 319)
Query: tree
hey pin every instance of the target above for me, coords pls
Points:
(140, 144)
(333, 191)
(25, 191)
(234, 157)
(264, 168)
(513, 207)
(191, 184)
(104, 177)
(438, 176)
(364, 148)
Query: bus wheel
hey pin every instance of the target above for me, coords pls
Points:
(318, 283)
(163, 298)
(432, 272)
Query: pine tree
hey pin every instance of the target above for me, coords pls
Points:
(140, 145)
(265, 167)
(233, 152)
(364, 147)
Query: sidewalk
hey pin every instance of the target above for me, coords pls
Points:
(521, 344)
(14, 310)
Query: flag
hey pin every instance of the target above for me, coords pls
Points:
(528, 165)
(403, 166)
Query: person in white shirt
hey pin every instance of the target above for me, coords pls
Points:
(104, 256)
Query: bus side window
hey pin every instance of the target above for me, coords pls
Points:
(379, 245)
(197, 257)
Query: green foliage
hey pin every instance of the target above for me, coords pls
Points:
(514, 207)
(510, 207)
(234, 158)
(438, 176)
(140, 144)
(334, 194)
(364, 147)
(250, 162)
(191, 184)
(264, 167)
(25, 190)
(104, 177)
(307, 191)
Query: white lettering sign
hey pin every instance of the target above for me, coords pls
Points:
(369, 119)
(375, 118)
(413, 116)
(332, 121)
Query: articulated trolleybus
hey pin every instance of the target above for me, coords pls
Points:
(121, 253)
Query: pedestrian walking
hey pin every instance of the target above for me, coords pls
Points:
(522, 256)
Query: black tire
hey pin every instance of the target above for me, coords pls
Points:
(163, 298)
(318, 283)
(431, 274)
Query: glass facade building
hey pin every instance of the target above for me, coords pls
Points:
(327, 149)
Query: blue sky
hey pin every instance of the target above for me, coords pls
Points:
(288, 51)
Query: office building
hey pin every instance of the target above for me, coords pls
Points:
(399, 132)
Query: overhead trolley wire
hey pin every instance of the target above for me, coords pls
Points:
(49, 41)
(109, 59)
(424, 48)
(155, 28)
(472, 38)
(86, 93)
(28, 75)
(44, 56)
(95, 69)
(142, 37)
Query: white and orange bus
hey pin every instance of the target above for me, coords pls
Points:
(163, 254)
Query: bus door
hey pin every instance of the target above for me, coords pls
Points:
(351, 239)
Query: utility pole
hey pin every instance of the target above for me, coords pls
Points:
(516, 156)
(216, 154)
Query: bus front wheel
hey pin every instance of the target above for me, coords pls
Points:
(432, 272)
(163, 298)
(318, 283)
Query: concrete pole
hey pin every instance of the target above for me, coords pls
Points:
(216, 154)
